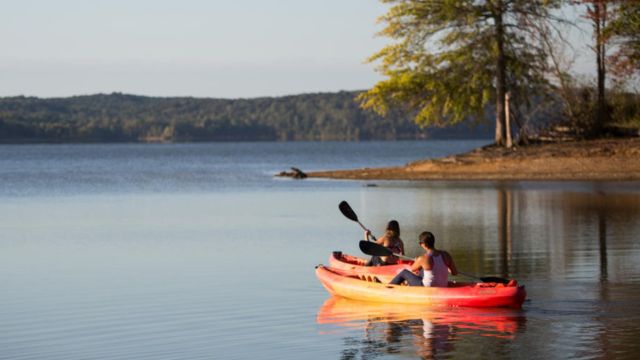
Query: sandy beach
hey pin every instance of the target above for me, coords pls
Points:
(604, 159)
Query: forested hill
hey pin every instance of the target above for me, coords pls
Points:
(128, 118)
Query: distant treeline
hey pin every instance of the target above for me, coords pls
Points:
(127, 118)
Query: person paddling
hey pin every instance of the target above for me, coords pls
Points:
(391, 240)
(435, 266)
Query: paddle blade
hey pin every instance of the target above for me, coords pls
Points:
(347, 211)
(373, 249)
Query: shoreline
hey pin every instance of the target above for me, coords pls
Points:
(616, 159)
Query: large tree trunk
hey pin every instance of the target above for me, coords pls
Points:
(500, 77)
(600, 10)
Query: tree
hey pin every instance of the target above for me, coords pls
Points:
(451, 58)
(597, 13)
(624, 29)
(616, 25)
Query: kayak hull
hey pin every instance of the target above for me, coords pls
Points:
(461, 294)
(354, 266)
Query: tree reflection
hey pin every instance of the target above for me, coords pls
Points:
(595, 221)
(602, 236)
(505, 216)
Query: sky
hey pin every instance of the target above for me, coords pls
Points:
(200, 48)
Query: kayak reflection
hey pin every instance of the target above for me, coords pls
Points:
(425, 331)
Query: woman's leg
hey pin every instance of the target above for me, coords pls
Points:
(406, 275)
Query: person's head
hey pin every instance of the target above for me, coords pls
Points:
(393, 226)
(427, 239)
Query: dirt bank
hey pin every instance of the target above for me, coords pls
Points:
(607, 159)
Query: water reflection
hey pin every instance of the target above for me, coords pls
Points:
(574, 245)
(520, 230)
(505, 216)
(595, 223)
(582, 216)
(602, 237)
(414, 330)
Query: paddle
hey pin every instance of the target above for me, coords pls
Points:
(487, 278)
(348, 212)
(374, 249)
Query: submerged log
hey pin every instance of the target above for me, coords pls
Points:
(294, 173)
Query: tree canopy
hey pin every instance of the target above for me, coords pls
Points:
(450, 59)
(121, 117)
(624, 29)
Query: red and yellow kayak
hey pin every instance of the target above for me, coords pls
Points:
(457, 294)
(350, 265)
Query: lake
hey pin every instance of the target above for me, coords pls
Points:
(195, 251)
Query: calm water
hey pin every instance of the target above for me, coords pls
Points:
(194, 251)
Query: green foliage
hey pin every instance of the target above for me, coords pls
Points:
(624, 29)
(579, 108)
(118, 117)
(626, 108)
(443, 66)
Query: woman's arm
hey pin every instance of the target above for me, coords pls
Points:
(401, 246)
(450, 264)
(418, 264)
(382, 240)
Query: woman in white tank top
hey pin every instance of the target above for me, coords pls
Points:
(434, 266)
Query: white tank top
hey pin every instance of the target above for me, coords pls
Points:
(439, 274)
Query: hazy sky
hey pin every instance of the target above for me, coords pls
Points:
(214, 48)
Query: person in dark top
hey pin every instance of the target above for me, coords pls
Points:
(391, 240)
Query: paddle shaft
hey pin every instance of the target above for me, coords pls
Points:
(403, 257)
(469, 275)
(365, 229)
(348, 212)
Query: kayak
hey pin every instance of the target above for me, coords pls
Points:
(498, 322)
(457, 294)
(350, 265)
